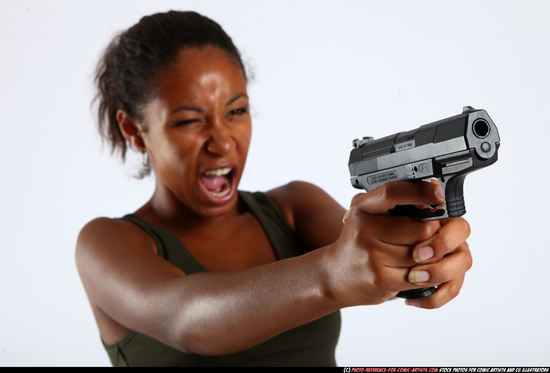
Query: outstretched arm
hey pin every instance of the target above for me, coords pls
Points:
(206, 313)
(366, 261)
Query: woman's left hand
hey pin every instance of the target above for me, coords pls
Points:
(444, 259)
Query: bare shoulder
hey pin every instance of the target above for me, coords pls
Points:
(102, 231)
(103, 240)
(309, 209)
(287, 196)
(297, 194)
(97, 229)
(125, 279)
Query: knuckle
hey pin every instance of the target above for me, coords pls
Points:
(439, 272)
(358, 198)
(389, 191)
(443, 243)
(467, 228)
(432, 187)
(426, 231)
(466, 256)
(379, 278)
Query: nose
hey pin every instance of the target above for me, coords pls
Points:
(221, 140)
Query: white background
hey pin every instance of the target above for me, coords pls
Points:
(326, 72)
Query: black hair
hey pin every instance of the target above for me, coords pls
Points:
(125, 74)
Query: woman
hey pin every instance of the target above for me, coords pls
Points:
(205, 274)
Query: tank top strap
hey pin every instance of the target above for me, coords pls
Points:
(169, 246)
(283, 239)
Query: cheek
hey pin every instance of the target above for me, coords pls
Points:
(172, 156)
(244, 136)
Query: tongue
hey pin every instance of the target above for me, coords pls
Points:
(212, 183)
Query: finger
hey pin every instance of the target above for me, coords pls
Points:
(390, 256)
(449, 268)
(382, 199)
(398, 230)
(452, 234)
(444, 294)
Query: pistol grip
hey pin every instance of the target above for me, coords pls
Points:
(453, 188)
(454, 196)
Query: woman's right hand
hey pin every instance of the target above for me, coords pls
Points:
(373, 257)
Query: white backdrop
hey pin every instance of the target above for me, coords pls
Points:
(326, 72)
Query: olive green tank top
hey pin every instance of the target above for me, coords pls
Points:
(311, 344)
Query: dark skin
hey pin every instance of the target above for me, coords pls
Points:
(199, 120)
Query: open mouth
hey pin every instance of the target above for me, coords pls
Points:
(217, 183)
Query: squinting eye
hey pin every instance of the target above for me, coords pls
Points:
(185, 122)
(239, 111)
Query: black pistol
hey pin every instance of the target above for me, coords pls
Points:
(448, 150)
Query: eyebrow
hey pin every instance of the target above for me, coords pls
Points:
(201, 110)
(236, 98)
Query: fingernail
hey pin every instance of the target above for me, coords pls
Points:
(419, 276)
(439, 193)
(423, 253)
(413, 302)
(346, 216)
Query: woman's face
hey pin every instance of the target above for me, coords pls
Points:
(199, 130)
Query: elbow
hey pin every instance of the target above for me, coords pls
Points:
(198, 329)
(183, 327)
(184, 345)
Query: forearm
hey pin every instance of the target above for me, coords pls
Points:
(220, 313)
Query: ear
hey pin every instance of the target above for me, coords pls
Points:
(130, 130)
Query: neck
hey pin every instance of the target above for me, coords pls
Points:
(165, 208)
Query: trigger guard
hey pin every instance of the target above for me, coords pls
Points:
(416, 213)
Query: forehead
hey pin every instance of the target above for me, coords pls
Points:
(198, 73)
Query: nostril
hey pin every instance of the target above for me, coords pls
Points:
(220, 145)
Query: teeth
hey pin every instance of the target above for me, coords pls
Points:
(218, 172)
